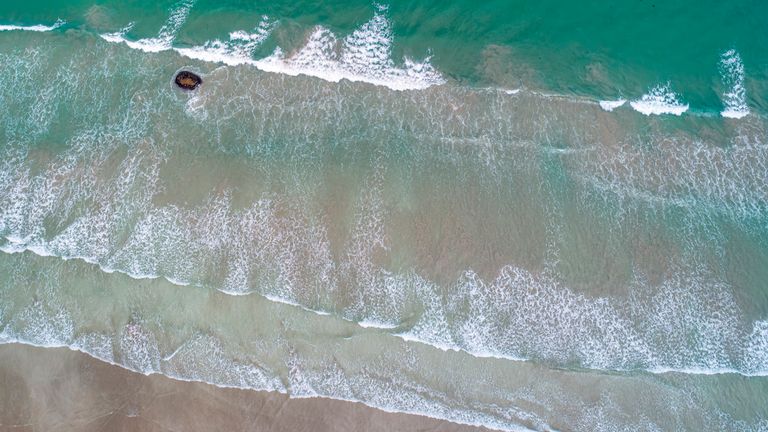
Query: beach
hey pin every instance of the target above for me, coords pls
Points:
(56, 389)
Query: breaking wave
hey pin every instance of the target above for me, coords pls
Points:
(365, 55)
(732, 73)
(32, 28)
(660, 100)
(164, 39)
(237, 50)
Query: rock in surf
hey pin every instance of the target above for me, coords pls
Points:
(188, 80)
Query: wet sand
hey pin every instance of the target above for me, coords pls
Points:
(56, 389)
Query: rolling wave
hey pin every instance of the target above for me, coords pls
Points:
(735, 98)
(660, 100)
(364, 56)
(32, 28)
(164, 39)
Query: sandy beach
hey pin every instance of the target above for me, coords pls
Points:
(57, 389)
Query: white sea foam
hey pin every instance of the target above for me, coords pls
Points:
(32, 28)
(236, 51)
(660, 100)
(139, 348)
(164, 39)
(118, 36)
(204, 358)
(42, 325)
(96, 344)
(16, 246)
(732, 73)
(365, 55)
(704, 371)
(757, 347)
(376, 325)
(610, 105)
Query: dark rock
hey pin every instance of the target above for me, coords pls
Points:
(188, 80)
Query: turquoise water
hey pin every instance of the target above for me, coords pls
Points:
(599, 51)
(541, 217)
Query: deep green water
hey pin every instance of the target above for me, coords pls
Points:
(422, 207)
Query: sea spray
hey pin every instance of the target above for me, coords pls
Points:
(660, 99)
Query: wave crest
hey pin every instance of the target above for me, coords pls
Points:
(660, 100)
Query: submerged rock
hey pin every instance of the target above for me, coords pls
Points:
(188, 80)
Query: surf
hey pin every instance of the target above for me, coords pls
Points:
(39, 28)
(732, 73)
(363, 56)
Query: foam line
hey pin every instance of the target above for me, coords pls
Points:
(32, 28)
(406, 336)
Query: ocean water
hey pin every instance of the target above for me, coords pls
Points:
(527, 217)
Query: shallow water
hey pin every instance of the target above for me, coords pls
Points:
(333, 219)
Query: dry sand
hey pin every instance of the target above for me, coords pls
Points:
(55, 389)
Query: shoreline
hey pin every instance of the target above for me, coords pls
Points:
(62, 389)
(407, 337)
